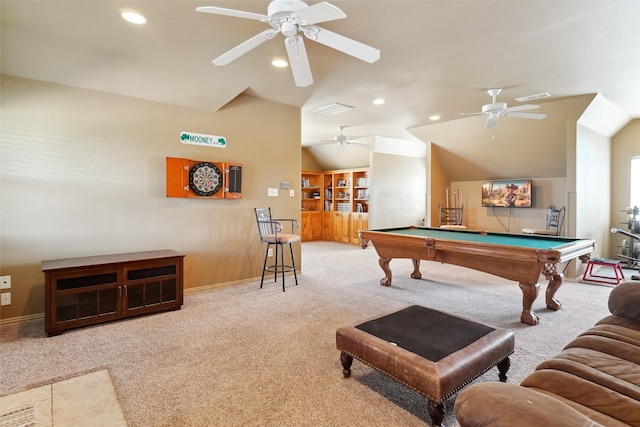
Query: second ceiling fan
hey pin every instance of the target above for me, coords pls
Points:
(293, 18)
(497, 109)
(343, 140)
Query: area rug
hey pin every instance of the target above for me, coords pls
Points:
(83, 400)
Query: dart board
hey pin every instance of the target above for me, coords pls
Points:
(205, 179)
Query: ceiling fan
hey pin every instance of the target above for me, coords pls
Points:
(342, 140)
(497, 109)
(293, 18)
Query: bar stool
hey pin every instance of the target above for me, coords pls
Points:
(271, 233)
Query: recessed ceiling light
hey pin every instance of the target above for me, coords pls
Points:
(133, 17)
(280, 63)
(434, 117)
(379, 101)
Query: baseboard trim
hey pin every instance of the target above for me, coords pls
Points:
(227, 284)
(222, 285)
(21, 319)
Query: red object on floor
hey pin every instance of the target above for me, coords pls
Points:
(615, 264)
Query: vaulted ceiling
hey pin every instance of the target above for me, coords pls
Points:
(437, 57)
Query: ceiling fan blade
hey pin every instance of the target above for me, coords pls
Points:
(245, 47)
(492, 121)
(298, 60)
(320, 12)
(522, 107)
(346, 45)
(355, 142)
(535, 116)
(230, 12)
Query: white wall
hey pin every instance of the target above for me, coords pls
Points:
(397, 190)
(593, 187)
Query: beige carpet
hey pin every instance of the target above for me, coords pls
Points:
(247, 356)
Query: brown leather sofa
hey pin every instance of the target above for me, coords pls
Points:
(593, 381)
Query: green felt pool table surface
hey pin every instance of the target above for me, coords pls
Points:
(528, 241)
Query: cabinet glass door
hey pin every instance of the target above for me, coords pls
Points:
(87, 296)
(151, 286)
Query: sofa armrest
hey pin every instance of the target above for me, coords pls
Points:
(498, 404)
(624, 300)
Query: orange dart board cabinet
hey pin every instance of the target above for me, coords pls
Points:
(203, 179)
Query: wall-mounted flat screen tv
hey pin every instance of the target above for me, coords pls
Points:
(512, 193)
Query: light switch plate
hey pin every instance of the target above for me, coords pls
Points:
(5, 282)
(272, 192)
(292, 193)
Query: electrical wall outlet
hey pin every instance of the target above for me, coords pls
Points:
(5, 282)
(5, 299)
(270, 252)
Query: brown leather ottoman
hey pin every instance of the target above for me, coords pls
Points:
(434, 353)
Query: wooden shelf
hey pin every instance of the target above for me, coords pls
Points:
(343, 194)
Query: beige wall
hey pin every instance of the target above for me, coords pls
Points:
(309, 162)
(438, 185)
(546, 192)
(83, 173)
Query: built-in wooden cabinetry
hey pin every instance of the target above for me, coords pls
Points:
(327, 225)
(359, 221)
(334, 204)
(311, 225)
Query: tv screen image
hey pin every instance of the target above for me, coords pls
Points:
(513, 193)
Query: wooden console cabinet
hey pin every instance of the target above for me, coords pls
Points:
(96, 289)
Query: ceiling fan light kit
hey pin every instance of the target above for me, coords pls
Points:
(497, 109)
(293, 18)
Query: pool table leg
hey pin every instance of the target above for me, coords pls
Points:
(554, 283)
(529, 295)
(416, 269)
(384, 265)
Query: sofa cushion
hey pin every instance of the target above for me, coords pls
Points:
(586, 393)
(623, 300)
(596, 418)
(508, 405)
(608, 371)
(620, 326)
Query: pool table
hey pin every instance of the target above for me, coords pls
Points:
(518, 257)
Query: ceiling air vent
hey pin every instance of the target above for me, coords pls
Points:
(532, 97)
(333, 109)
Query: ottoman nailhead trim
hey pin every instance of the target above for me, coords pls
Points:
(423, 393)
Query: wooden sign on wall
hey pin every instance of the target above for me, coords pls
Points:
(203, 179)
